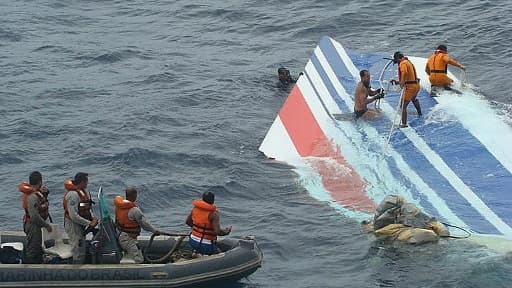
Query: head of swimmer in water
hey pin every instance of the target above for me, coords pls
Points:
(365, 78)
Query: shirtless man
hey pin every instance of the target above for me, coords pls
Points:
(363, 90)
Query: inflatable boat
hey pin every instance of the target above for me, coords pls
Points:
(169, 261)
(239, 258)
(453, 162)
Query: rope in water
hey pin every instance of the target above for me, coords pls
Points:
(398, 110)
(460, 228)
(463, 77)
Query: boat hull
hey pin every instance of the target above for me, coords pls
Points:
(241, 258)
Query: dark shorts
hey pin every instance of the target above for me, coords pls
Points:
(359, 113)
(203, 248)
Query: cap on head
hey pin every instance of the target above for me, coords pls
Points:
(80, 177)
(442, 48)
(209, 197)
(397, 56)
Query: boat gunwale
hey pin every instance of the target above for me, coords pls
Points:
(246, 268)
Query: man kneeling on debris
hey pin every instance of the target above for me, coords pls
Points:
(395, 219)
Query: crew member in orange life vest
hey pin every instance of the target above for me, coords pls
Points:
(437, 69)
(408, 80)
(35, 203)
(205, 223)
(77, 214)
(129, 221)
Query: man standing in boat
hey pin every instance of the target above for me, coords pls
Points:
(409, 82)
(361, 96)
(129, 221)
(205, 223)
(437, 69)
(35, 203)
(78, 214)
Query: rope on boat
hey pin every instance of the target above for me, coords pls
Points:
(166, 257)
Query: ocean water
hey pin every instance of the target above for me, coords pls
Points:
(175, 98)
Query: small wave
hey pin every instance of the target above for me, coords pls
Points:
(109, 57)
(165, 77)
(504, 110)
(112, 57)
(66, 20)
(141, 158)
(52, 48)
(136, 157)
(9, 159)
(72, 94)
(9, 36)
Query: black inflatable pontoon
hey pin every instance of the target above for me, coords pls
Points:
(239, 258)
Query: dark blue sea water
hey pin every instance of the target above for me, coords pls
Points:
(175, 97)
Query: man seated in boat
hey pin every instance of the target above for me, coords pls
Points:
(362, 97)
(129, 221)
(395, 219)
(205, 223)
(437, 69)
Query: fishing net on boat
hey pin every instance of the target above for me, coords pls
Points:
(105, 247)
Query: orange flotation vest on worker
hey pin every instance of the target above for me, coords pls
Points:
(437, 67)
(27, 189)
(123, 223)
(84, 207)
(407, 72)
(407, 76)
(202, 226)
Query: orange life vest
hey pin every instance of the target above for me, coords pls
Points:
(437, 63)
(201, 225)
(84, 207)
(130, 227)
(27, 189)
(437, 68)
(410, 77)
